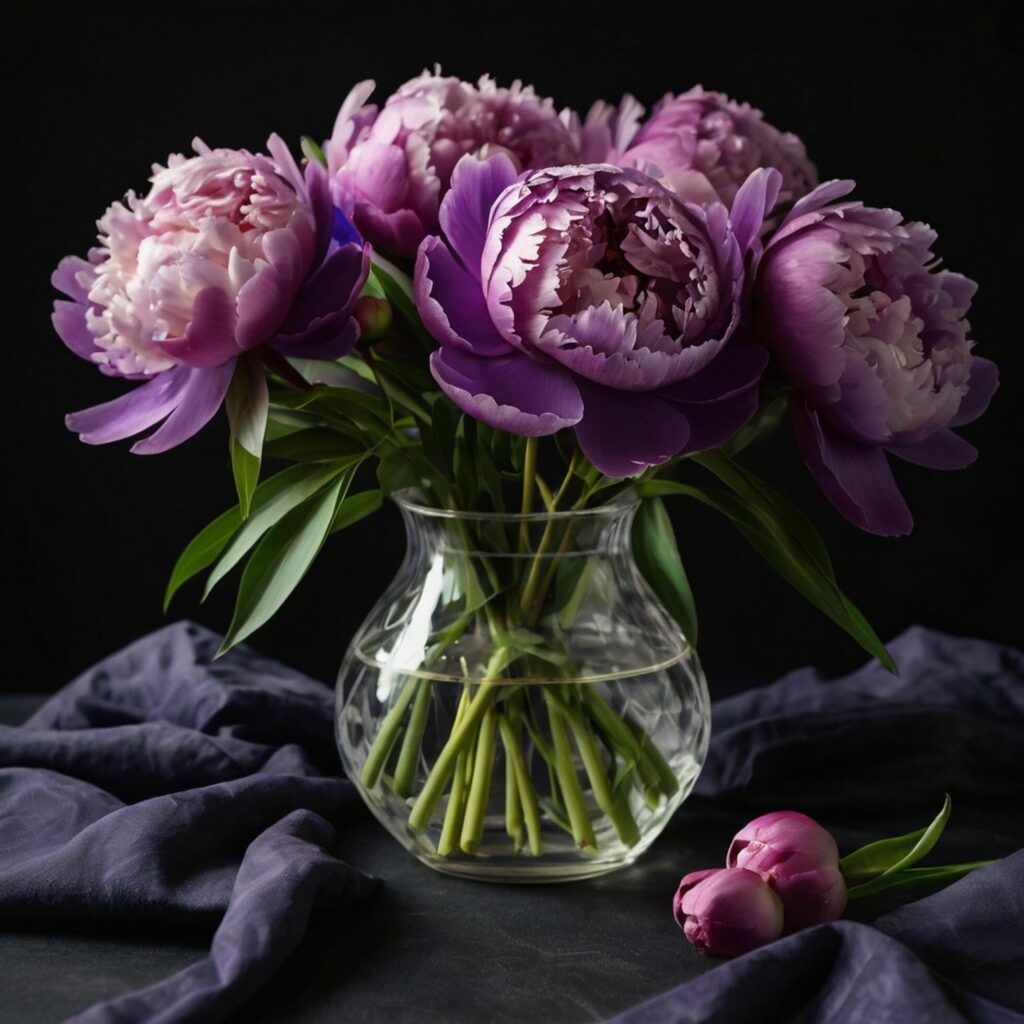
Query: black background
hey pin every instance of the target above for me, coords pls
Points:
(914, 101)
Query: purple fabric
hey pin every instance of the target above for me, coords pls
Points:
(162, 788)
(159, 787)
(870, 755)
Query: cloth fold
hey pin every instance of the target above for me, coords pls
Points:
(163, 787)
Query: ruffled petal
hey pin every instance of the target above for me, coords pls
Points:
(466, 209)
(939, 450)
(133, 412)
(511, 392)
(855, 477)
(451, 302)
(210, 337)
(65, 278)
(622, 433)
(199, 399)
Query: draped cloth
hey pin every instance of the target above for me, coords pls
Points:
(164, 787)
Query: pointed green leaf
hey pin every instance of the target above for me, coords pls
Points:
(281, 559)
(317, 444)
(657, 557)
(796, 554)
(245, 468)
(872, 864)
(356, 507)
(203, 549)
(302, 483)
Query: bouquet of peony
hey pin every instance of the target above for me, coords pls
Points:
(517, 320)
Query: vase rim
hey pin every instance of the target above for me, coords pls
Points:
(411, 499)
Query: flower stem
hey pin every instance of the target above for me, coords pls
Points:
(480, 786)
(565, 769)
(513, 809)
(523, 785)
(385, 738)
(427, 801)
(624, 823)
(405, 772)
(456, 799)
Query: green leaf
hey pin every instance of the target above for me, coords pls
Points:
(356, 507)
(281, 559)
(657, 557)
(245, 468)
(403, 468)
(312, 151)
(302, 483)
(203, 549)
(317, 444)
(247, 404)
(864, 869)
(778, 543)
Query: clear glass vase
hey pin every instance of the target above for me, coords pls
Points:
(519, 706)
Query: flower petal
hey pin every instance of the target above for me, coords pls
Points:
(939, 450)
(133, 412)
(264, 299)
(622, 432)
(199, 399)
(451, 302)
(753, 202)
(855, 477)
(210, 337)
(466, 209)
(735, 369)
(981, 386)
(511, 392)
(713, 423)
(332, 287)
(69, 322)
(65, 279)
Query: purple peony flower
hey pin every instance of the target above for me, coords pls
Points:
(874, 340)
(227, 252)
(391, 169)
(591, 297)
(799, 859)
(727, 911)
(701, 145)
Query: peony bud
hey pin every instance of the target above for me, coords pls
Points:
(373, 316)
(727, 911)
(800, 861)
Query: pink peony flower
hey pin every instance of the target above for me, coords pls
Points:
(799, 859)
(727, 911)
(391, 168)
(227, 252)
(700, 144)
(874, 339)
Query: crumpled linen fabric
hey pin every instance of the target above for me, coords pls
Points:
(871, 755)
(163, 787)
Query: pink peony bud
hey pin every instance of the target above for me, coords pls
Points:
(800, 861)
(727, 911)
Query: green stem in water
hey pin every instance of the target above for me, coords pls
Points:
(457, 798)
(513, 810)
(523, 786)
(565, 769)
(385, 738)
(433, 789)
(405, 772)
(620, 816)
(480, 786)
